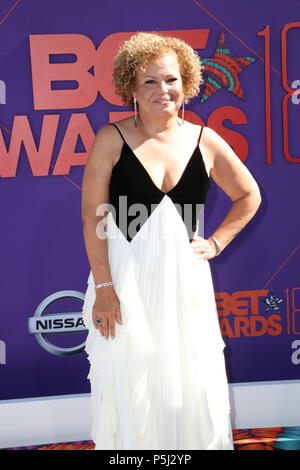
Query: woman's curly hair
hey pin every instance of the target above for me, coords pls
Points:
(143, 47)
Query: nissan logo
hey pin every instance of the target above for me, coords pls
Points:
(42, 324)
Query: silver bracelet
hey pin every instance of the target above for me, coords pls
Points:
(103, 284)
(217, 245)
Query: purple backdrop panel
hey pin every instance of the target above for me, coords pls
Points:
(252, 73)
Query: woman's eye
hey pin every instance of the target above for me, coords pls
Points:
(172, 79)
(149, 81)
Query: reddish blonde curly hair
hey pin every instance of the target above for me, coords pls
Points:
(143, 47)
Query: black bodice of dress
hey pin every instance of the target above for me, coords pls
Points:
(131, 185)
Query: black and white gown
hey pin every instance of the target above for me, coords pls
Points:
(161, 382)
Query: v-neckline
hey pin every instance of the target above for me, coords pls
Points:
(165, 193)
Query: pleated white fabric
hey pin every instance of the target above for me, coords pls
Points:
(161, 382)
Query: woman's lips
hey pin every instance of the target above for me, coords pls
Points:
(162, 101)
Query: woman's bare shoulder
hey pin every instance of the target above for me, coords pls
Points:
(212, 140)
(126, 123)
(105, 135)
(106, 147)
(195, 131)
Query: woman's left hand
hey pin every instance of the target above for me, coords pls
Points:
(203, 248)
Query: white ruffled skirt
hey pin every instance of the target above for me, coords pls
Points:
(161, 382)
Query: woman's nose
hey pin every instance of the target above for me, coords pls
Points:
(164, 86)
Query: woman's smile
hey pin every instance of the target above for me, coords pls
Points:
(163, 101)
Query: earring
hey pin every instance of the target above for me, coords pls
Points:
(135, 111)
(182, 110)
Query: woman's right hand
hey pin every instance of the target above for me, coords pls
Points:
(107, 308)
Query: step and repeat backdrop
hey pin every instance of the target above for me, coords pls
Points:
(55, 93)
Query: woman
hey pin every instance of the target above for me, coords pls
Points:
(157, 371)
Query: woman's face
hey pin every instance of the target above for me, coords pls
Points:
(158, 89)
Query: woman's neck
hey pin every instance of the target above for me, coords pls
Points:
(157, 127)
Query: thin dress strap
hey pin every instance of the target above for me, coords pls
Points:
(112, 124)
(200, 134)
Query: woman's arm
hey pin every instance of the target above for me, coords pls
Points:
(95, 193)
(231, 175)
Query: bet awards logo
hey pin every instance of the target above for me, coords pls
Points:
(42, 324)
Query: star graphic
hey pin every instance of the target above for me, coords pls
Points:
(272, 302)
(222, 71)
